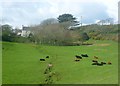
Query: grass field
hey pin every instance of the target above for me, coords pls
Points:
(21, 63)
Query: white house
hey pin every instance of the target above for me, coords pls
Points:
(25, 31)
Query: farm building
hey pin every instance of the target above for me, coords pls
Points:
(24, 32)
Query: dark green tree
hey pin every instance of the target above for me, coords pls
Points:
(6, 32)
(67, 18)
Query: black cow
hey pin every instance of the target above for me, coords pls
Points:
(94, 61)
(77, 60)
(99, 64)
(47, 56)
(78, 57)
(84, 55)
(42, 59)
(103, 63)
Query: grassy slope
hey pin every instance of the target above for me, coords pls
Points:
(21, 63)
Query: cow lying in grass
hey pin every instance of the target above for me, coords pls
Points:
(94, 61)
(103, 63)
(78, 57)
(84, 55)
(47, 56)
(42, 59)
(98, 64)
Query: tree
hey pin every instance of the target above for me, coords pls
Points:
(108, 21)
(53, 34)
(66, 18)
(6, 32)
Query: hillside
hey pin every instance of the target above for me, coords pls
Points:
(100, 32)
(59, 34)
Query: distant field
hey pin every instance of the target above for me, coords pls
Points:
(21, 63)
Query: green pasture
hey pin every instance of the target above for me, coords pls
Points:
(21, 64)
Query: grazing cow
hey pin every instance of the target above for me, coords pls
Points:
(78, 57)
(42, 59)
(109, 63)
(84, 55)
(103, 63)
(99, 64)
(95, 57)
(47, 56)
(94, 61)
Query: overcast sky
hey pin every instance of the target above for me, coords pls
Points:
(29, 12)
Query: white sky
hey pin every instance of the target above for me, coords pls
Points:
(27, 12)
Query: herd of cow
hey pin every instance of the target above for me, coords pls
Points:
(79, 57)
(94, 61)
